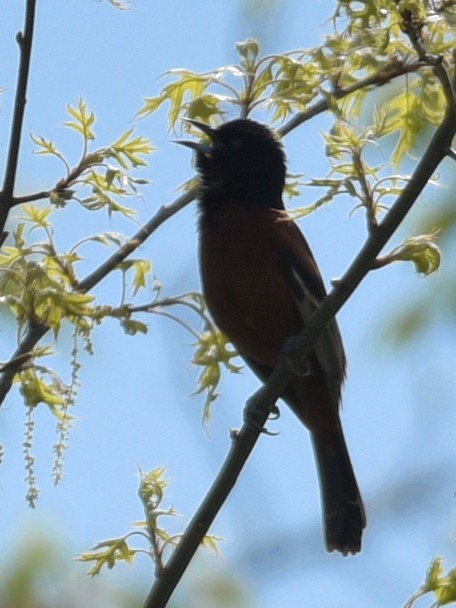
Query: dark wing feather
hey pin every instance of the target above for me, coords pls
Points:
(306, 285)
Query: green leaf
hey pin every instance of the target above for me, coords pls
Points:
(186, 87)
(248, 52)
(83, 120)
(45, 146)
(37, 215)
(127, 150)
(107, 553)
(151, 105)
(133, 326)
(213, 350)
(433, 575)
(205, 107)
(141, 272)
(212, 542)
(153, 485)
(35, 390)
(421, 250)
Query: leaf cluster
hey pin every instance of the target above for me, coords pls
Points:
(157, 539)
(103, 177)
(213, 352)
(40, 288)
(442, 585)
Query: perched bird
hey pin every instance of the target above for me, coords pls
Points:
(261, 284)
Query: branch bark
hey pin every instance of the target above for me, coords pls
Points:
(388, 73)
(163, 214)
(24, 40)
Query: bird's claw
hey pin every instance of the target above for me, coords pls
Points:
(253, 415)
(274, 414)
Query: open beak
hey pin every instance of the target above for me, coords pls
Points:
(199, 146)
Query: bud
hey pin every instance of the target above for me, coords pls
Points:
(248, 51)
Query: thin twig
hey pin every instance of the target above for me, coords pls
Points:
(18, 363)
(414, 28)
(24, 41)
(29, 198)
(387, 73)
(163, 214)
(367, 194)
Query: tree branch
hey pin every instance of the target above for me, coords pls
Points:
(413, 29)
(36, 331)
(9, 370)
(267, 395)
(389, 71)
(29, 198)
(24, 41)
(163, 214)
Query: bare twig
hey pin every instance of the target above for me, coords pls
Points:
(18, 363)
(163, 214)
(24, 41)
(29, 198)
(367, 195)
(262, 400)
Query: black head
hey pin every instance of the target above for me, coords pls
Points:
(243, 161)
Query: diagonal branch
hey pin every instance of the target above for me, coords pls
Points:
(36, 331)
(163, 214)
(380, 78)
(267, 395)
(24, 41)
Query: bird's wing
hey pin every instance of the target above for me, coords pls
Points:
(307, 288)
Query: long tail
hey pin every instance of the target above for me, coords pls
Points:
(342, 503)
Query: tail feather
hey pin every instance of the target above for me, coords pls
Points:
(342, 503)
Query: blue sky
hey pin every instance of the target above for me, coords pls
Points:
(135, 407)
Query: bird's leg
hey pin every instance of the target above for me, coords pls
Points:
(301, 368)
(254, 415)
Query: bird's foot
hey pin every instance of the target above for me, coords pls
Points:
(254, 417)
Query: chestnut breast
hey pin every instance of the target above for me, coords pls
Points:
(245, 288)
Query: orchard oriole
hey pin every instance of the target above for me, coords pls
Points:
(261, 284)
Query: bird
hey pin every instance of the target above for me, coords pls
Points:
(261, 284)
